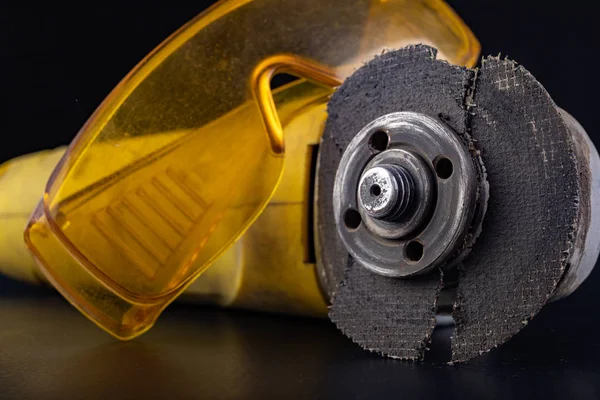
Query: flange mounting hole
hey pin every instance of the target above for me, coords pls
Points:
(443, 167)
(379, 141)
(413, 251)
(352, 219)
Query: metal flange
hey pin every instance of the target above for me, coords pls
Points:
(405, 195)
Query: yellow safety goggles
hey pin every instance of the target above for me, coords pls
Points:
(189, 148)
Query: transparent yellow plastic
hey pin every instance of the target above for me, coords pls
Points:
(189, 148)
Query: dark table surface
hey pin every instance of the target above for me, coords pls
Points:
(49, 350)
(60, 62)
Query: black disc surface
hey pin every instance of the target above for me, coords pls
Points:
(532, 214)
(521, 253)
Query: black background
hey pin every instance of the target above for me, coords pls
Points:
(58, 62)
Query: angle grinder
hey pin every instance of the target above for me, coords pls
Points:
(389, 184)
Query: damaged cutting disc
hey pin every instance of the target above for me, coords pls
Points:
(425, 168)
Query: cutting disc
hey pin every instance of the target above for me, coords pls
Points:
(528, 182)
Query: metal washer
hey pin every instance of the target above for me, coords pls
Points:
(441, 216)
